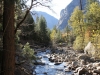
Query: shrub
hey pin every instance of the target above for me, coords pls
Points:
(97, 45)
(28, 52)
(78, 44)
(17, 38)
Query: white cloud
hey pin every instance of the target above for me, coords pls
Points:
(56, 5)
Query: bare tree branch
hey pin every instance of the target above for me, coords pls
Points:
(27, 12)
(33, 4)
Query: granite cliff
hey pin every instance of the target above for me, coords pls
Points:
(66, 13)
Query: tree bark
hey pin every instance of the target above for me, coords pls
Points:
(80, 5)
(8, 61)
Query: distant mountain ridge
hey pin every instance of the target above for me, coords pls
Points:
(66, 13)
(51, 21)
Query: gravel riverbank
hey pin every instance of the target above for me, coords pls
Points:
(65, 61)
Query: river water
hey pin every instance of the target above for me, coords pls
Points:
(50, 68)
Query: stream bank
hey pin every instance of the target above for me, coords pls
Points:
(65, 61)
(49, 68)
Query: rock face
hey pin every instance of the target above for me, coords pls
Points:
(66, 13)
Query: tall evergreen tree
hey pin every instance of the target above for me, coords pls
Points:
(27, 28)
(43, 28)
(8, 62)
(37, 27)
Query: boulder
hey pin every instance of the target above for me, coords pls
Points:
(97, 72)
(84, 57)
(82, 62)
(96, 64)
(98, 68)
(82, 71)
(57, 63)
(76, 70)
(94, 73)
(90, 49)
(39, 62)
(89, 73)
(90, 65)
(67, 70)
(75, 64)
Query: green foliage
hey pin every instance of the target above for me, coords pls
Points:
(76, 20)
(78, 44)
(56, 36)
(41, 30)
(93, 14)
(53, 35)
(86, 26)
(89, 2)
(78, 28)
(35, 31)
(29, 19)
(48, 32)
(67, 29)
(59, 36)
(93, 20)
(0, 26)
(68, 34)
(28, 28)
(76, 17)
(28, 52)
(17, 36)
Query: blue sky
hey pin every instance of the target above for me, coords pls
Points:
(56, 5)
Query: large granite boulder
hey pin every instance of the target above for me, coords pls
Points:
(90, 49)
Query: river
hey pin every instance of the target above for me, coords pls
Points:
(50, 68)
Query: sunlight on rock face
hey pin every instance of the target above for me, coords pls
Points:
(90, 49)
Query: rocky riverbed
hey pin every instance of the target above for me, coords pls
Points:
(65, 61)
(49, 68)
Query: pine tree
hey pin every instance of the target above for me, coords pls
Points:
(43, 28)
(8, 63)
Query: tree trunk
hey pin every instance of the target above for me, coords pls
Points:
(8, 61)
(80, 5)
